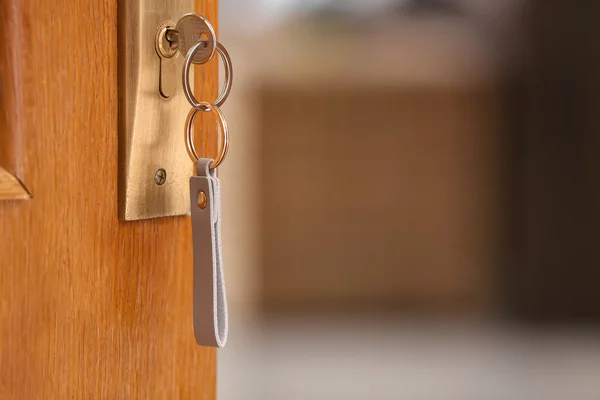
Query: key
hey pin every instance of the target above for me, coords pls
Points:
(173, 38)
(191, 29)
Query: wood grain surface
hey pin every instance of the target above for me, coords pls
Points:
(90, 308)
(10, 187)
(10, 100)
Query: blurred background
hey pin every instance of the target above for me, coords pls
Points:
(411, 200)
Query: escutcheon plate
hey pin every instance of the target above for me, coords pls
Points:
(151, 134)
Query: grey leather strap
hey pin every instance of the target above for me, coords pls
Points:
(210, 299)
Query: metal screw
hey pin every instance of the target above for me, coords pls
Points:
(160, 177)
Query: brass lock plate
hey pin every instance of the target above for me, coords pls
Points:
(154, 166)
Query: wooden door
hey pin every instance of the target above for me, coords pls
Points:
(90, 307)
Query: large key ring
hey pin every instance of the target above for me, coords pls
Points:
(189, 132)
(187, 89)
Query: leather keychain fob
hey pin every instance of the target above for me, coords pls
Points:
(210, 300)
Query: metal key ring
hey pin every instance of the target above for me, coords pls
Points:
(189, 133)
(187, 89)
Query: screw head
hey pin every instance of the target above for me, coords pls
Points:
(160, 177)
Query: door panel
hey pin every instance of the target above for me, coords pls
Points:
(90, 307)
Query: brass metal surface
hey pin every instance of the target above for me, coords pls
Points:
(151, 126)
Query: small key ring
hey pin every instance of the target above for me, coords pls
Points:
(187, 89)
(189, 133)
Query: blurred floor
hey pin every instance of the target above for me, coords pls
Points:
(376, 358)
